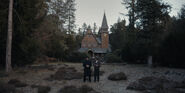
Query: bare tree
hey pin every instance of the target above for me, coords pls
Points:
(9, 37)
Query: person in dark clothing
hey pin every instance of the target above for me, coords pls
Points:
(96, 65)
(87, 69)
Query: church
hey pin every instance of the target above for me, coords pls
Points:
(96, 44)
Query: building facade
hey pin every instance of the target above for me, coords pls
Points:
(96, 44)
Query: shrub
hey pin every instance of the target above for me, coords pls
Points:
(76, 57)
(117, 76)
(110, 58)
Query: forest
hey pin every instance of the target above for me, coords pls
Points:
(46, 29)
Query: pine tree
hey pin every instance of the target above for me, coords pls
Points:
(70, 6)
(131, 6)
(151, 15)
(94, 28)
(182, 12)
(58, 8)
(65, 10)
(84, 28)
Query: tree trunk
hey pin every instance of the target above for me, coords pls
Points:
(9, 38)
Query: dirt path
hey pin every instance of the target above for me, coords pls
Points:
(133, 72)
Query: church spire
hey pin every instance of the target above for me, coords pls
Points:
(104, 22)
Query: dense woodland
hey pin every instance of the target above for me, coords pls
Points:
(46, 29)
(151, 32)
(41, 28)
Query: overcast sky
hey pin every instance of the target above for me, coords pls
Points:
(90, 11)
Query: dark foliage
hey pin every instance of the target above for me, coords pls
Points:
(25, 21)
(172, 50)
(76, 57)
(112, 58)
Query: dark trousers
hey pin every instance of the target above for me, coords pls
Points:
(87, 74)
(96, 74)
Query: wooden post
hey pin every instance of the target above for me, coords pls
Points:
(9, 37)
(150, 63)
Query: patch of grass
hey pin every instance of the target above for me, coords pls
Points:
(85, 89)
(6, 88)
(66, 73)
(13, 81)
(17, 83)
(43, 89)
(3, 74)
(45, 66)
(34, 86)
(23, 72)
(74, 89)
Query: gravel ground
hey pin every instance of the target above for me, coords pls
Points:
(133, 72)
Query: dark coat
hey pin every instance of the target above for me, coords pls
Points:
(87, 64)
(87, 67)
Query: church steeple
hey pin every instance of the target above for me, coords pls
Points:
(104, 22)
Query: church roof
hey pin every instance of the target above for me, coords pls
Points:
(99, 40)
(104, 22)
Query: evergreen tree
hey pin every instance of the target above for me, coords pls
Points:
(151, 15)
(70, 6)
(27, 17)
(182, 12)
(94, 28)
(118, 33)
(65, 10)
(131, 6)
(58, 8)
(84, 28)
(172, 50)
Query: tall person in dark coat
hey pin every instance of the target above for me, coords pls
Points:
(87, 69)
(96, 65)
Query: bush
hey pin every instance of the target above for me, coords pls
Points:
(76, 57)
(110, 58)
(117, 76)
